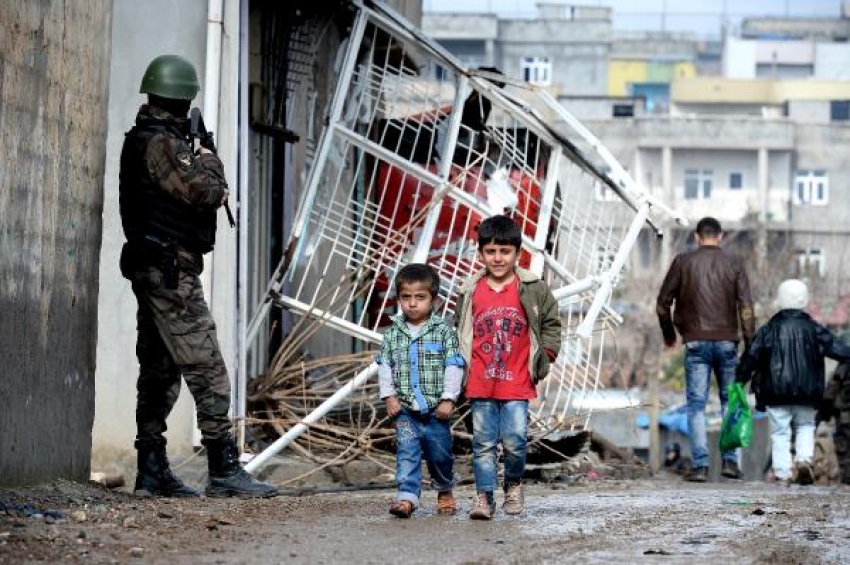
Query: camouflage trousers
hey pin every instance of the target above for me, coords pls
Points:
(177, 337)
(842, 451)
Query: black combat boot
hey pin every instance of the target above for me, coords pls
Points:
(227, 477)
(154, 476)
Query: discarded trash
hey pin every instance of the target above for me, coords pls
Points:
(109, 480)
(29, 511)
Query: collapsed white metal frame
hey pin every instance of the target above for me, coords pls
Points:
(346, 247)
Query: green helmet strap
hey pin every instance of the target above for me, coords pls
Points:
(171, 76)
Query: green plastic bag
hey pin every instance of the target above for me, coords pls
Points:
(737, 428)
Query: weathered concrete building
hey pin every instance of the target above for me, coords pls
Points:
(565, 50)
(54, 78)
(267, 74)
(67, 386)
(754, 140)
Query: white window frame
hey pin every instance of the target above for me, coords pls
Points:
(604, 193)
(705, 183)
(536, 70)
(604, 259)
(811, 260)
(811, 187)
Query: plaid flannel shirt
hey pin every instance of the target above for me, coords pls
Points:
(418, 365)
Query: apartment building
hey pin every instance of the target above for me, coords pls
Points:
(752, 129)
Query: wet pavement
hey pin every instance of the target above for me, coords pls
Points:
(643, 521)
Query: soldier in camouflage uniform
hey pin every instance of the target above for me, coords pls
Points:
(169, 196)
(837, 403)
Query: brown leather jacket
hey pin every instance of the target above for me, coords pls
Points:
(711, 292)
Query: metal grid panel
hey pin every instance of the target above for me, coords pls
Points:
(416, 153)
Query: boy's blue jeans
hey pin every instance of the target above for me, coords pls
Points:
(701, 357)
(417, 435)
(492, 421)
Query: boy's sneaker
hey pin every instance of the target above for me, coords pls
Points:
(731, 470)
(402, 508)
(446, 503)
(804, 474)
(514, 499)
(482, 509)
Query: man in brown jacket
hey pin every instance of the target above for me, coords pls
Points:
(712, 296)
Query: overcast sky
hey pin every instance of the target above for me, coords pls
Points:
(701, 16)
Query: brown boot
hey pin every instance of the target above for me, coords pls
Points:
(514, 499)
(402, 508)
(482, 509)
(804, 474)
(446, 503)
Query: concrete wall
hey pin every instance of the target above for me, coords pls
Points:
(809, 111)
(830, 29)
(832, 61)
(410, 9)
(471, 53)
(599, 108)
(721, 110)
(739, 58)
(785, 52)
(449, 26)
(717, 133)
(578, 51)
(824, 147)
(722, 146)
(577, 42)
(726, 204)
(54, 74)
(579, 69)
(835, 248)
(180, 28)
(622, 73)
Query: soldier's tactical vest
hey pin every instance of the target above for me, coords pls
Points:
(147, 211)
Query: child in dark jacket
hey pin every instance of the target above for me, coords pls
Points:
(787, 358)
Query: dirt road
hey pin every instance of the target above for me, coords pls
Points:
(645, 521)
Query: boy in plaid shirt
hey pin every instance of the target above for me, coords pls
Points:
(420, 371)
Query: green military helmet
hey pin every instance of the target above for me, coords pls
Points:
(170, 76)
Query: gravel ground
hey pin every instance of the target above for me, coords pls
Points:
(640, 521)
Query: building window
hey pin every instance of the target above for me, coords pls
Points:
(624, 110)
(839, 110)
(604, 193)
(698, 183)
(736, 181)
(811, 187)
(604, 259)
(810, 262)
(536, 70)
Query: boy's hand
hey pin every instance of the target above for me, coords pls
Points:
(393, 406)
(444, 409)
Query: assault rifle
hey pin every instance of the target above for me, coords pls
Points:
(197, 130)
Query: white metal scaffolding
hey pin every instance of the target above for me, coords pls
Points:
(417, 150)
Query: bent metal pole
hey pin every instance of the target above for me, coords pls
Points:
(261, 459)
